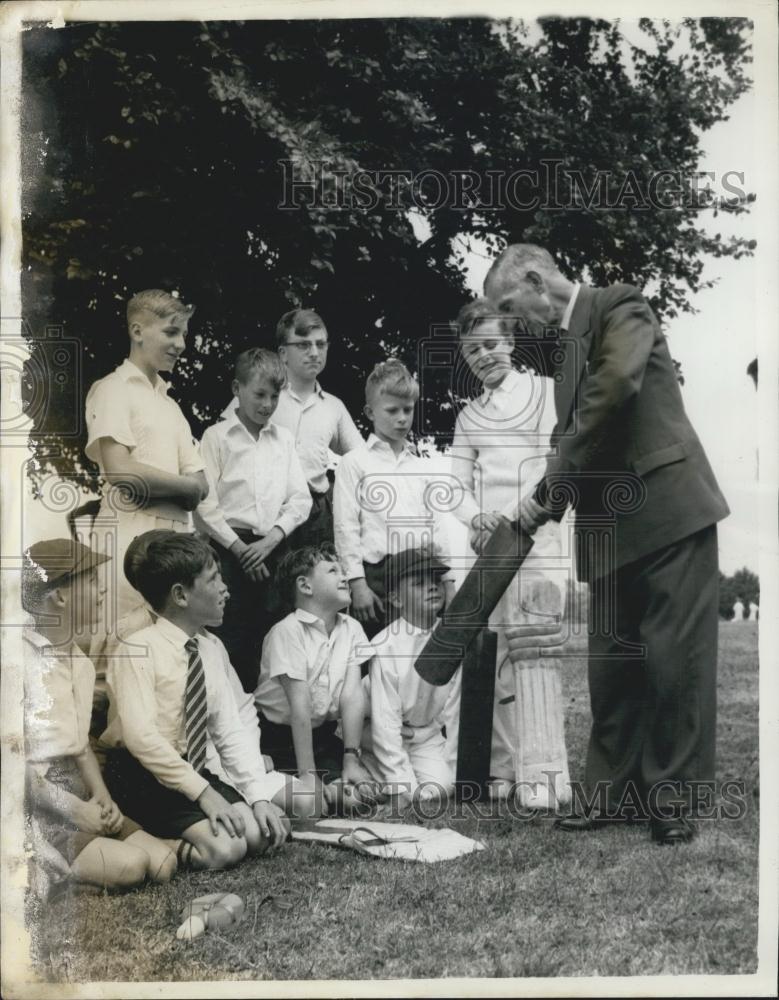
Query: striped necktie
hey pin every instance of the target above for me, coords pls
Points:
(195, 707)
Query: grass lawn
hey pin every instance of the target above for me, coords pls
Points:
(537, 902)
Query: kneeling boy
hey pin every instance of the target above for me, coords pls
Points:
(414, 726)
(72, 809)
(166, 704)
(310, 679)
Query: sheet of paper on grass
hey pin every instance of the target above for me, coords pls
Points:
(397, 841)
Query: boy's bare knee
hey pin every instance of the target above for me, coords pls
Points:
(256, 841)
(162, 871)
(307, 806)
(133, 869)
(223, 852)
(302, 804)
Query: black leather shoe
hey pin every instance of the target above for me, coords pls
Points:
(580, 824)
(671, 831)
(576, 824)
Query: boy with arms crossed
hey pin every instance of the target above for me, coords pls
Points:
(139, 437)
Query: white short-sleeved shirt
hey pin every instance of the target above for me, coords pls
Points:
(126, 407)
(299, 647)
(58, 686)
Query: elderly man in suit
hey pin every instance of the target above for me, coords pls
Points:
(647, 504)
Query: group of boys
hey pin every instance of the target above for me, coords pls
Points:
(261, 668)
(240, 692)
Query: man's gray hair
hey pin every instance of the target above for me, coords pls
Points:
(519, 258)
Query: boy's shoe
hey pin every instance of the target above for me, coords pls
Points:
(575, 824)
(582, 824)
(671, 831)
(537, 795)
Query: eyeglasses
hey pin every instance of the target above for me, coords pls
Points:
(306, 346)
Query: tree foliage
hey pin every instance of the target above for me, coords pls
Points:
(743, 586)
(153, 160)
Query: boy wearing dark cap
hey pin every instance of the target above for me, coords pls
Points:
(72, 807)
(414, 726)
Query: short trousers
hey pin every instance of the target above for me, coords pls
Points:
(161, 811)
(276, 741)
(64, 836)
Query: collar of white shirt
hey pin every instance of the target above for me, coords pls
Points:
(36, 639)
(43, 644)
(508, 385)
(564, 322)
(318, 391)
(308, 618)
(375, 443)
(232, 406)
(175, 636)
(233, 423)
(127, 370)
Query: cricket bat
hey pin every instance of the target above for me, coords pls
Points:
(472, 605)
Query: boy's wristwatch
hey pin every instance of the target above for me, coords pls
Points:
(355, 750)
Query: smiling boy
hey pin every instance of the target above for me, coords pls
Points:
(258, 496)
(501, 443)
(310, 679)
(141, 440)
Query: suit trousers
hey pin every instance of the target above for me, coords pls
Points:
(652, 676)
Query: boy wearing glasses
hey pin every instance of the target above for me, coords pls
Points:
(319, 421)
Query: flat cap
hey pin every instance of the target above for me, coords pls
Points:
(51, 562)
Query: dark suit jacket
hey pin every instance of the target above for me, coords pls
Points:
(628, 459)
